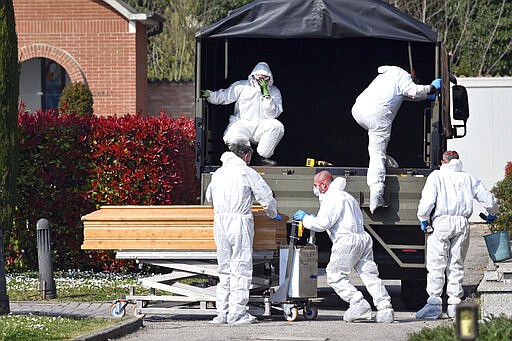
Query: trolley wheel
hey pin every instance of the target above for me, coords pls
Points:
(310, 312)
(117, 311)
(135, 314)
(292, 315)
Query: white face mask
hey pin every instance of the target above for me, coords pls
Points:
(316, 191)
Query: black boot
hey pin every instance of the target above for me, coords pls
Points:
(259, 161)
(268, 162)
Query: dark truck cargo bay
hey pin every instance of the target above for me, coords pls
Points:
(319, 80)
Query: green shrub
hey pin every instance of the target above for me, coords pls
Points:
(503, 193)
(493, 329)
(76, 98)
(9, 133)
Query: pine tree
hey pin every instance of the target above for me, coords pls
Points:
(9, 92)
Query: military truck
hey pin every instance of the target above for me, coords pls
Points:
(323, 53)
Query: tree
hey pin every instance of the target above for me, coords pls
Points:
(171, 54)
(76, 98)
(478, 33)
(484, 38)
(9, 150)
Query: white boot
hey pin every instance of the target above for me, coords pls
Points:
(358, 310)
(219, 319)
(376, 199)
(385, 316)
(432, 310)
(242, 319)
(391, 162)
(451, 310)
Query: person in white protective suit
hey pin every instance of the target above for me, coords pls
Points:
(258, 104)
(341, 216)
(447, 197)
(375, 109)
(230, 192)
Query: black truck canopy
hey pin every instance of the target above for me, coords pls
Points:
(323, 53)
(285, 19)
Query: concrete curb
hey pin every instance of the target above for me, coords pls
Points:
(114, 332)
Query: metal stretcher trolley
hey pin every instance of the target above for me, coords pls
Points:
(297, 281)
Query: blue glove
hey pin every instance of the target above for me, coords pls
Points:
(299, 215)
(277, 217)
(432, 97)
(436, 83)
(490, 219)
(424, 225)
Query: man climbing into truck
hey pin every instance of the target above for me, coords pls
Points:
(375, 109)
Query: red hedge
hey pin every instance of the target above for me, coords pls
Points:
(143, 161)
(70, 165)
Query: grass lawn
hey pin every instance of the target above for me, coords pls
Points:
(33, 327)
(71, 286)
(77, 286)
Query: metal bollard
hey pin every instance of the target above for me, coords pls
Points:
(44, 258)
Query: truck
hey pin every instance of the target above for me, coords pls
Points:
(323, 53)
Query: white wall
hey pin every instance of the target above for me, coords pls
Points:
(487, 147)
(30, 84)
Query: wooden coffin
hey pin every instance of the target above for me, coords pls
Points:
(186, 227)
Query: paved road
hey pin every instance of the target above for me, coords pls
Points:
(328, 325)
(74, 309)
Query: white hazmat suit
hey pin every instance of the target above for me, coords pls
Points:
(230, 192)
(374, 110)
(255, 117)
(340, 215)
(449, 193)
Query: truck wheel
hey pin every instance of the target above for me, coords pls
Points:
(413, 294)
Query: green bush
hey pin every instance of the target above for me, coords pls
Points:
(9, 133)
(503, 193)
(493, 329)
(76, 98)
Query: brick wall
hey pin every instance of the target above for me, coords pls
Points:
(171, 97)
(92, 42)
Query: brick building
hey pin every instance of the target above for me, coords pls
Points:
(175, 98)
(102, 43)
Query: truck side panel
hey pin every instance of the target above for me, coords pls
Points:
(399, 243)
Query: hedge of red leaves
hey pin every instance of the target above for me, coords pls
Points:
(142, 161)
(71, 165)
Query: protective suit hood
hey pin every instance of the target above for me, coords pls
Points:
(384, 68)
(454, 165)
(261, 68)
(338, 184)
(230, 159)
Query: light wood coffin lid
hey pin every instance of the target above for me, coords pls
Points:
(176, 227)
